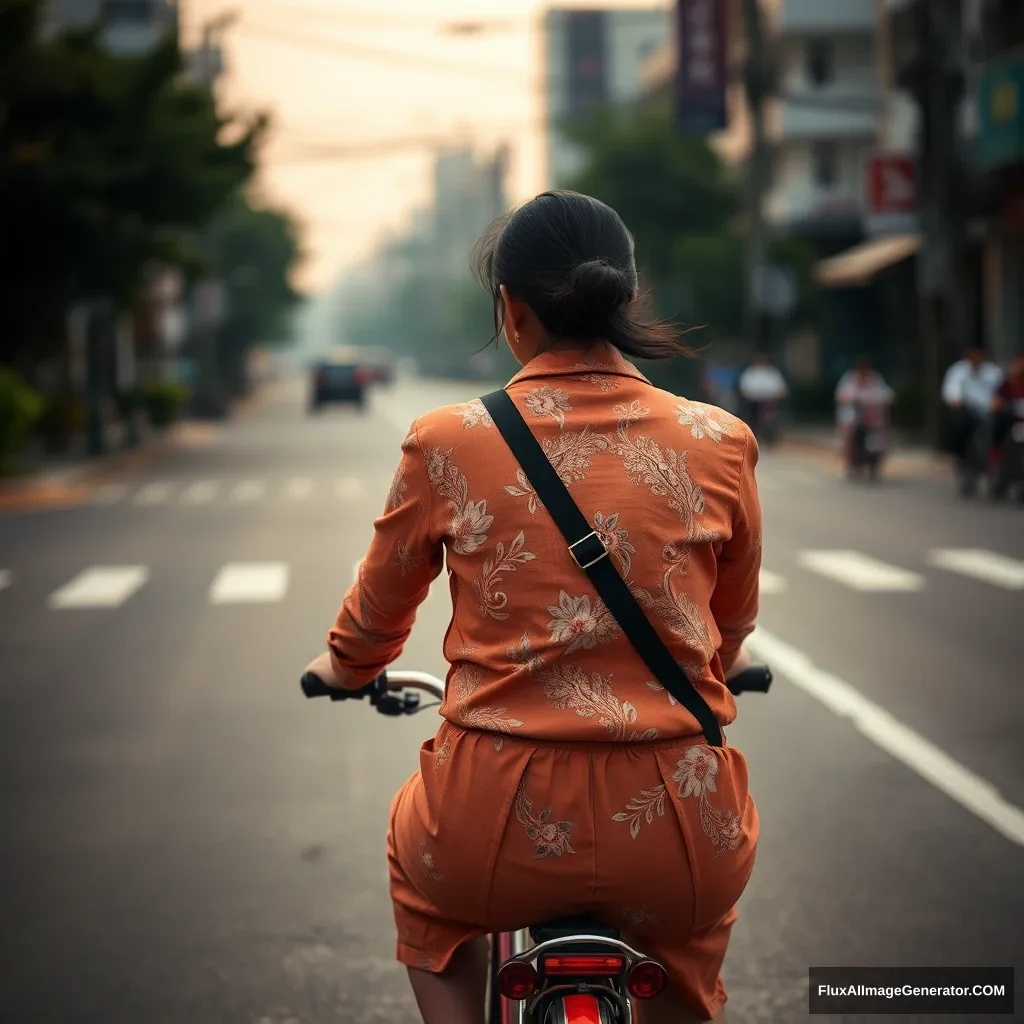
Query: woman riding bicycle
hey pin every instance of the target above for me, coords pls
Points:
(564, 779)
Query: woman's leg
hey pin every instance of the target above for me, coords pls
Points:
(457, 995)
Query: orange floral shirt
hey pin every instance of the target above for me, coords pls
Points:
(669, 486)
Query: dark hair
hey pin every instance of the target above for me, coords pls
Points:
(570, 258)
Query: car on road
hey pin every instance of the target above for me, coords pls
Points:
(339, 379)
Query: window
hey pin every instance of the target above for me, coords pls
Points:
(820, 62)
(137, 11)
(825, 164)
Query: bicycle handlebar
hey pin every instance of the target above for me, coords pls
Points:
(385, 696)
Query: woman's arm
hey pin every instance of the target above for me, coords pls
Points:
(378, 612)
(735, 599)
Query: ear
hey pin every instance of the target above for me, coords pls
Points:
(513, 311)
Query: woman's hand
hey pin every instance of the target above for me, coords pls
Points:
(741, 664)
(323, 669)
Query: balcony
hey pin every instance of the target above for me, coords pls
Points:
(827, 17)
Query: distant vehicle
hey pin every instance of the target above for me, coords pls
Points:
(379, 362)
(339, 379)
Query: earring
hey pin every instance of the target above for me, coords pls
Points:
(516, 333)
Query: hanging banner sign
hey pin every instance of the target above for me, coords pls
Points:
(702, 74)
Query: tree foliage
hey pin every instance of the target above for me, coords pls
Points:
(108, 164)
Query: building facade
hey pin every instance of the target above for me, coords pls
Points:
(129, 26)
(593, 58)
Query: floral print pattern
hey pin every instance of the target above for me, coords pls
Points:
(396, 493)
(524, 490)
(546, 402)
(523, 654)
(614, 539)
(474, 414)
(405, 561)
(695, 777)
(577, 627)
(469, 520)
(549, 838)
(569, 688)
(492, 601)
(703, 421)
(465, 681)
(638, 917)
(571, 452)
(427, 865)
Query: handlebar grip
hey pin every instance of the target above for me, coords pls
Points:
(314, 686)
(756, 679)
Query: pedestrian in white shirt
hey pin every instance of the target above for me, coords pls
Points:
(969, 390)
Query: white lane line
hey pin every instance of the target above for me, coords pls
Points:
(109, 494)
(980, 565)
(972, 792)
(101, 586)
(153, 494)
(860, 572)
(772, 582)
(299, 489)
(249, 583)
(349, 488)
(201, 492)
(6, 578)
(249, 490)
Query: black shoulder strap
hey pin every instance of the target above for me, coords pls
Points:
(590, 554)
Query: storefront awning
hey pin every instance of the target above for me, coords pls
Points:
(856, 266)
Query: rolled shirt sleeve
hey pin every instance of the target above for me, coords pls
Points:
(734, 602)
(378, 612)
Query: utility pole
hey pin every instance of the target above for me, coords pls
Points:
(928, 57)
(759, 83)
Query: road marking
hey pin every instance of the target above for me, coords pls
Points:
(980, 565)
(109, 494)
(6, 578)
(299, 489)
(771, 582)
(349, 488)
(860, 572)
(249, 490)
(249, 583)
(101, 586)
(200, 492)
(153, 494)
(972, 792)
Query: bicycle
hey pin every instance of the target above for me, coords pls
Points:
(574, 970)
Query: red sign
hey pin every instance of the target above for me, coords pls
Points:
(891, 185)
(703, 72)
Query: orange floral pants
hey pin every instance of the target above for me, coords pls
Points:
(496, 833)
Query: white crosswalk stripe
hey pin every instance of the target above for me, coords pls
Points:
(249, 490)
(6, 578)
(249, 583)
(772, 582)
(861, 572)
(299, 489)
(154, 494)
(980, 564)
(101, 586)
(200, 493)
(349, 488)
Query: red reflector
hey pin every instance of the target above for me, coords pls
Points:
(517, 980)
(646, 979)
(581, 1010)
(584, 965)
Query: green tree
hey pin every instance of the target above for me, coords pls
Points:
(256, 252)
(108, 164)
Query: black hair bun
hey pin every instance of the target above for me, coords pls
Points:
(599, 286)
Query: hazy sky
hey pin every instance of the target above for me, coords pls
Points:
(352, 73)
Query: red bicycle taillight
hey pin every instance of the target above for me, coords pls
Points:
(646, 979)
(583, 965)
(517, 980)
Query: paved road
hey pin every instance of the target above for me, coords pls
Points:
(183, 839)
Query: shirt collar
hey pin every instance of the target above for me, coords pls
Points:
(601, 358)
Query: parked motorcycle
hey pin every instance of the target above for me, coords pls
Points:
(1008, 472)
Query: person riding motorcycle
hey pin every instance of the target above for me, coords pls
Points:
(861, 393)
(968, 390)
(762, 387)
(563, 779)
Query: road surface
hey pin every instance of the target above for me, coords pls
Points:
(184, 839)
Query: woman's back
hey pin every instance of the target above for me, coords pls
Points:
(668, 485)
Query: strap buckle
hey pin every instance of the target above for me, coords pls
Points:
(582, 540)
